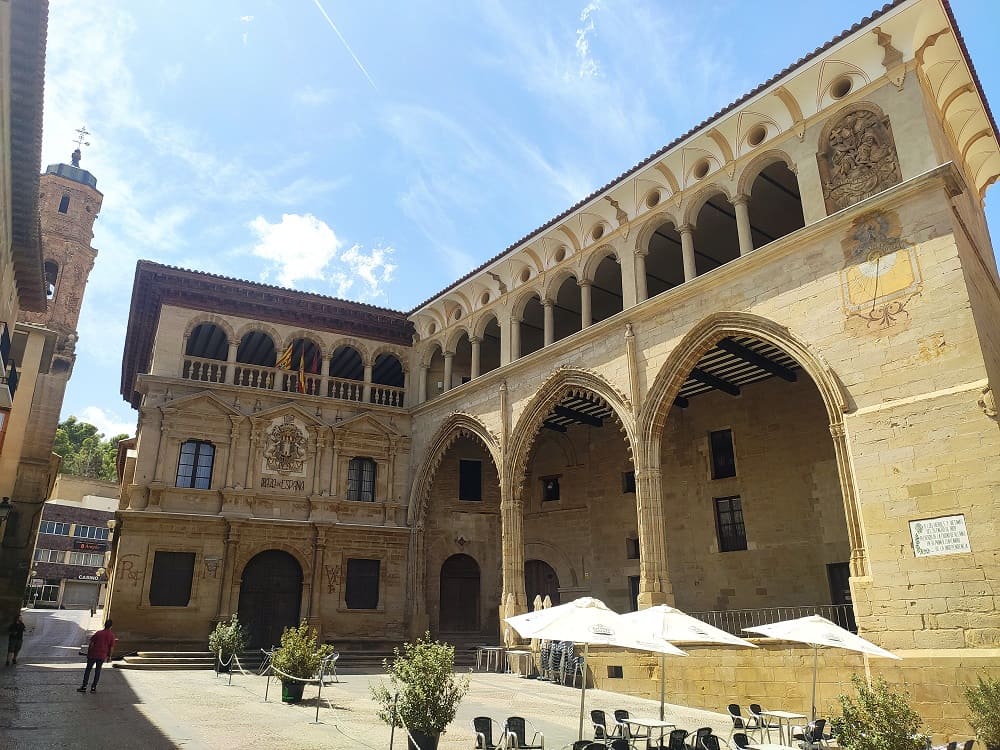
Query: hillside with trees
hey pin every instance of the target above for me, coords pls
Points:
(84, 451)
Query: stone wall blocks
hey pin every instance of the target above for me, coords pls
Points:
(971, 604)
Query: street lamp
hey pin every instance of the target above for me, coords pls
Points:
(35, 590)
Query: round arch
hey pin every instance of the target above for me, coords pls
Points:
(699, 340)
(479, 327)
(454, 336)
(215, 320)
(427, 355)
(455, 426)
(565, 380)
(758, 164)
(595, 258)
(517, 309)
(650, 224)
(552, 284)
(260, 327)
(386, 349)
(703, 196)
(271, 593)
(359, 346)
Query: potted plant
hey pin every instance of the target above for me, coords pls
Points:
(878, 719)
(227, 639)
(984, 702)
(423, 691)
(299, 656)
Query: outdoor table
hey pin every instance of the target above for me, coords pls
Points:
(649, 725)
(519, 659)
(494, 657)
(785, 718)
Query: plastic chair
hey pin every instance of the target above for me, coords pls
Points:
(677, 739)
(710, 742)
(741, 740)
(517, 730)
(600, 722)
(764, 723)
(968, 744)
(579, 670)
(596, 746)
(582, 744)
(483, 727)
(619, 744)
(739, 723)
(697, 736)
(621, 728)
(812, 734)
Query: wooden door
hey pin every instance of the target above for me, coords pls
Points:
(459, 606)
(541, 580)
(270, 597)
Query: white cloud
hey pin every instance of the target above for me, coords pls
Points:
(374, 269)
(588, 65)
(246, 19)
(107, 423)
(310, 96)
(298, 247)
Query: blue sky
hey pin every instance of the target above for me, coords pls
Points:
(377, 151)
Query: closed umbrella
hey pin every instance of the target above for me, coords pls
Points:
(587, 620)
(670, 624)
(818, 631)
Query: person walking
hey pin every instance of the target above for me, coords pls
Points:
(102, 644)
(15, 637)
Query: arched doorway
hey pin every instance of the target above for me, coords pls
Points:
(459, 608)
(540, 580)
(270, 596)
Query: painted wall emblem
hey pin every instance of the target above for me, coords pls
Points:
(285, 447)
(881, 275)
(860, 159)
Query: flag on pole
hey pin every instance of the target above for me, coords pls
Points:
(285, 360)
(302, 376)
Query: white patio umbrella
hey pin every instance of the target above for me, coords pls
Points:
(670, 624)
(587, 620)
(818, 631)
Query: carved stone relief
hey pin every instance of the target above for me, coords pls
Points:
(859, 159)
(285, 447)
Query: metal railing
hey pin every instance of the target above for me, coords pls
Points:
(273, 378)
(11, 378)
(734, 620)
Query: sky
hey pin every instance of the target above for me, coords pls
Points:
(378, 151)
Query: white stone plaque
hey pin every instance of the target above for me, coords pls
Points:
(940, 536)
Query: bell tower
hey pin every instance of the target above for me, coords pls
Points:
(69, 202)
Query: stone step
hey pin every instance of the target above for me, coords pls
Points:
(159, 667)
(176, 654)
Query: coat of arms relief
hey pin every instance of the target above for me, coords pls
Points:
(859, 159)
(285, 447)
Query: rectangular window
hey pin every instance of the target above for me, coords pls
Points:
(90, 532)
(628, 483)
(470, 479)
(170, 584)
(51, 555)
(633, 592)
(361, 480)
(361, 591)
(729, 522)
(87, 559)
(194, 468)
(632, 548)
(53, 527)
(550, 489)
(723, 456)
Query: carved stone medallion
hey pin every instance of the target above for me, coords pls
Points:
(285, 447)
(860, 158)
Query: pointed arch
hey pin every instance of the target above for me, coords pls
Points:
(457, 425)
(563, 381)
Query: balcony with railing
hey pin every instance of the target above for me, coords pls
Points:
(8, 383)
(291, 381)
(734, 620)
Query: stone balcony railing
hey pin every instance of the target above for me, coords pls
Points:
(276, 379)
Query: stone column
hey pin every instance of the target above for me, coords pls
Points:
(742, 205)
(229, 582)
(324, 373)
(448, 358)
(475, 342)
(418, 620)
(586, 318)
(234, 444)
(407, 399)
(550, 322)
(641, 290)
(231, 362)
(859, 557)
(366, 393)
(654, 579)
(515, 338)
(319, 546)
(687, 251)
(422, 384)
(512, 544)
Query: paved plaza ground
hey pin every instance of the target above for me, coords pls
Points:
(40, 708)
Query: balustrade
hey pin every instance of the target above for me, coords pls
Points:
(271, 378)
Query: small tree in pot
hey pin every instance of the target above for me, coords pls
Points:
(878, 719)
(298, 656)
(227, 639)
(423, 677)
(984, 702)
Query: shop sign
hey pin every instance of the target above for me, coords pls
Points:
(946, 535)
(85, 577)
(90, 546)
(37, 581)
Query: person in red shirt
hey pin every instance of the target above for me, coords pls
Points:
(102, 644)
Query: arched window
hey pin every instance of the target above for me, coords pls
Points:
(207, 341)
(361, 480)
(64, 204)
(775, 204)
(346, 363)
(388, 371)
(51, 276)
(256, 348)
(194, 468)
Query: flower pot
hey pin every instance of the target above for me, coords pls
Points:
(221, 666)
(291, 691)
(424, 741)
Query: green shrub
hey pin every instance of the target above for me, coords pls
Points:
(300, 652)
(878, 719)
(423, 675)
(229, 638)
(984, 702)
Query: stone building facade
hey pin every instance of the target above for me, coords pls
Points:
(752, 373)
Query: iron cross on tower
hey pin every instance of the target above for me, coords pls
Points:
(81, 140)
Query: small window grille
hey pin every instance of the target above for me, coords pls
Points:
(729, 523)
